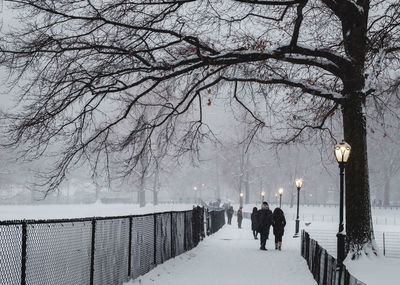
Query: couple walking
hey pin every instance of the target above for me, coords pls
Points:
(263, 219)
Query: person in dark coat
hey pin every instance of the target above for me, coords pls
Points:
(240, 217)
(229, 213)
(254, 224)
(278, 223)
(264, 219)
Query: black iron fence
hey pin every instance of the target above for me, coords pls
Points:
(323, 266)
(388, 242)
(215, 220)
(96, 251)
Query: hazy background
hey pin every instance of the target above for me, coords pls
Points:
(225, 168)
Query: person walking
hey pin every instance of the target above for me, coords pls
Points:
(264, 219)
(229, 213)
(240, 217)
(254, 224)
(278, 223)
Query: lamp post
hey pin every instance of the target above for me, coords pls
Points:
(241, 199)
(342, 153)
(262, 196)
(299, 183)
(280, 191)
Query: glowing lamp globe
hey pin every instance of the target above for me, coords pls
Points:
(342, 152)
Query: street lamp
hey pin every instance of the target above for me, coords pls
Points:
(241, 199)
(299, 183)
(342, 153)
(262, 196)
(280, 191)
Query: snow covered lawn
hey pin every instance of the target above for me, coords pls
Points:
(71, 211)
(231, 256)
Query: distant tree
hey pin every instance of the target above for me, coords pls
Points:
(86, 72)
(385, 161)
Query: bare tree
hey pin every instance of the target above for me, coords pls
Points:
(385, 160)
(87, 71)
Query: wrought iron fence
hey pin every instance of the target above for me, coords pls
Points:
(215, 220)
(388, 242)
(96, 251)
(323, 266)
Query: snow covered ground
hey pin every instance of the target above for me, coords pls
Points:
(231, 256)
(69, 211)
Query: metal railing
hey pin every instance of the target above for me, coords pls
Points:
(388, 242)
(323, 266)
(377, 220)
(100, 250)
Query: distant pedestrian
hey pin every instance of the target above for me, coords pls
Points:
(229, 213)
(240, 217)
(264, 219)
(279, 223)
(254, 223)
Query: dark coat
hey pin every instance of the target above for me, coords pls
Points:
(240, 214)
(279, 222)
(229, 212)
(254, 221)
(264, 218)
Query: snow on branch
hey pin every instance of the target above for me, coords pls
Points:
(306, 88)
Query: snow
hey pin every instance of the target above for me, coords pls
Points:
(376, 271)
(232, 256)
(37, 212)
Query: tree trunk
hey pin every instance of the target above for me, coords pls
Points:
(292, 198)
(155, 186)
(386, 192)
(142, 193)
(218, 189)
(359, 227)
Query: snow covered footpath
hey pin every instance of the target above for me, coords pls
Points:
(232, 256)
(71, 211)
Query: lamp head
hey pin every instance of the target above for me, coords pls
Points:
(299, 182)
(342, 152)
(280, 191)
(194, 188)
(241, 194)
(263, 193)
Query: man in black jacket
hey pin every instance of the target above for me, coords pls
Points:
(264, 218)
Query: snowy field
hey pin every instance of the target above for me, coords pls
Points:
(231, 256)
(36, 212)
(330, 214)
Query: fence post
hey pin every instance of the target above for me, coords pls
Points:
(184, 232)
(384, 245)
(23, 253)
(155, 239)
(92, 252)
(173, 249)
(130, 247)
